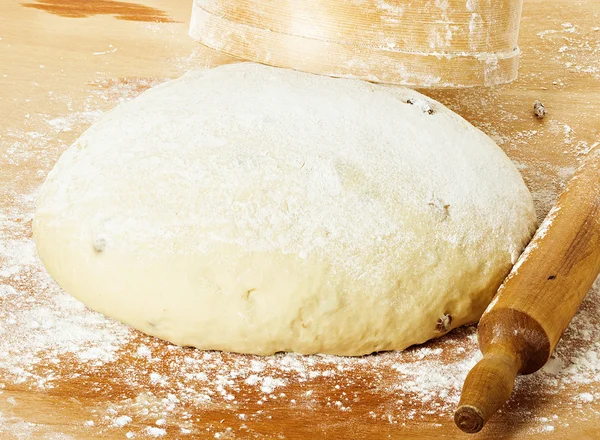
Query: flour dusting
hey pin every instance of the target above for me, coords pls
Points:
(43, 328)
(145, 388)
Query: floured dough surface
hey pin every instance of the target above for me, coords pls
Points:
(254, 209)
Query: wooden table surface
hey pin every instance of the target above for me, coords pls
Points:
(64, 62)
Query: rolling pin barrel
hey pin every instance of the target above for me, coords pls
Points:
(534, 306)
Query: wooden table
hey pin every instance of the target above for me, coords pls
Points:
(64, 62)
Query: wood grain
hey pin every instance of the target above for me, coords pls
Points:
(118, 9)
(147, 53)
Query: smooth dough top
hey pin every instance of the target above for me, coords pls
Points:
(255, 209)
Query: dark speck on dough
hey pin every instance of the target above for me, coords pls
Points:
(443, 324)
(100, 245)
(424, 106)
(247, 295)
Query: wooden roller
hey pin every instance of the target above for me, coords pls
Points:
(532, 309)
(425, 43)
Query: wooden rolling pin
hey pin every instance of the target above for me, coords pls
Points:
(538, 299)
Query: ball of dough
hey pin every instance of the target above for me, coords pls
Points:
(254, 209)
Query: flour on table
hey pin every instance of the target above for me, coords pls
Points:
(411, 385)
(45, 326)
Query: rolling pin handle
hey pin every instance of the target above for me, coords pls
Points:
(487, 388)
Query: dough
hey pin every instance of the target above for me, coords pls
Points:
(254, 209)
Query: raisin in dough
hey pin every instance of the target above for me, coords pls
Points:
(254, 209)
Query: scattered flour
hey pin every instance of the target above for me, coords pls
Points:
(49, 342)
(155, 432)
(586, 397)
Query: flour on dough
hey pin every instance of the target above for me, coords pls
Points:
(254, 209)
